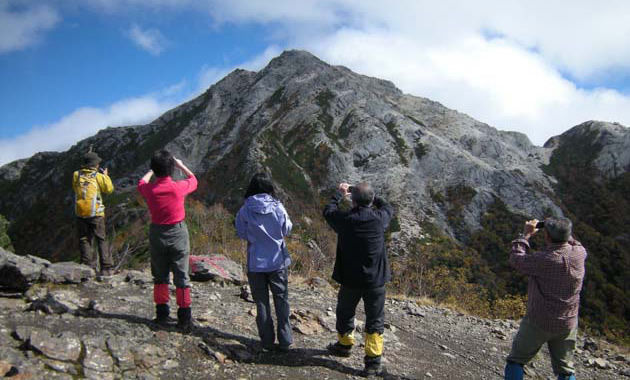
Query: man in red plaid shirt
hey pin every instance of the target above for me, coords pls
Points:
(553, 297)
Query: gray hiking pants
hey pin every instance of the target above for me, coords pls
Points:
(530, 338)
(260, 284)
(170, 248)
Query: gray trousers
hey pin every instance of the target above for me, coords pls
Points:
(530, 338)
(260, 284)
(170, 249)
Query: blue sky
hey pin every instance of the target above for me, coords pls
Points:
(90, 60)
(69, 68)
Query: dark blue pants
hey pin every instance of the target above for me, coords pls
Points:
(260, 284)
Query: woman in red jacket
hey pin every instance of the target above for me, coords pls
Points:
(168, 235)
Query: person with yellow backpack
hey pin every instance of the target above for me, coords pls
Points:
(89, 183)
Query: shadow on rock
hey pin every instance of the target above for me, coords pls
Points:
(241, 348)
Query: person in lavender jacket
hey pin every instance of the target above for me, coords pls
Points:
(264, 222)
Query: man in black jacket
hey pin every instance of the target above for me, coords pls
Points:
(361, 267)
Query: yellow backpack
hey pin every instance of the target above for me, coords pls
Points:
(88, 197)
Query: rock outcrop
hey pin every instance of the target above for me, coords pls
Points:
(20, 272)
(104, 330)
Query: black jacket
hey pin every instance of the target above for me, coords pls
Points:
(361, 260)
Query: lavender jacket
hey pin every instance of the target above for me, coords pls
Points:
(264, 223)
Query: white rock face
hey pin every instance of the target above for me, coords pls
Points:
(408, 147)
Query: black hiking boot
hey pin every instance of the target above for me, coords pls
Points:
(162, 317)
(185, 321)
(283, 349)
(339, 349)
(372, 366)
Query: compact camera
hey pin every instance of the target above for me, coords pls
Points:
(540, 225)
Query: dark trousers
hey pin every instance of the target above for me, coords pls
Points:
(90, 229)
(373, 302)
(260, 284)
(170, 249)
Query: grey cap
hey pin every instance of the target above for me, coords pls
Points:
(91, 159)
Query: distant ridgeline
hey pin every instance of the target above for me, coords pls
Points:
(461, 188)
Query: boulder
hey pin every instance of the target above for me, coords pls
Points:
(138, 278)
(216, 268)
(306, 322)
(67, 273)
(18, 272)
(601, 363)
(121, 352)
(412, 309)
(97, 359)
(65, 346)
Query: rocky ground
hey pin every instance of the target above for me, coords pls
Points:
(77, 326)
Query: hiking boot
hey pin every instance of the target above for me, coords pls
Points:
(107, 273)
(339, 349)
(161, 315)
(187, 327)
(165, 322)
(185, 321)
(283, 349)
(372, 366)
(265, 348)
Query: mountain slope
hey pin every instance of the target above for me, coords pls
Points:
(592, 163)
(312, 125)
(461, 188)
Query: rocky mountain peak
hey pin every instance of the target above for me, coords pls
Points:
(606, 144)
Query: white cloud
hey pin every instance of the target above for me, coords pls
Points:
(581, 37)
(150, 40)
(502, 62)
(23, 28)
(494, 81)
(85, 122)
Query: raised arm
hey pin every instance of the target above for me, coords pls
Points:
(384, 209)
(189, 184)
(183, 168)
(147, 177)
(332, 214)
(520, 257)
(105, 182)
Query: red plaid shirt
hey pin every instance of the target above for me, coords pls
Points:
(555, 280)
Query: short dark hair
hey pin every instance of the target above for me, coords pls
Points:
(559, 229)
(162, 163)
(362, 194)
(91, 160)
(259, 184)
